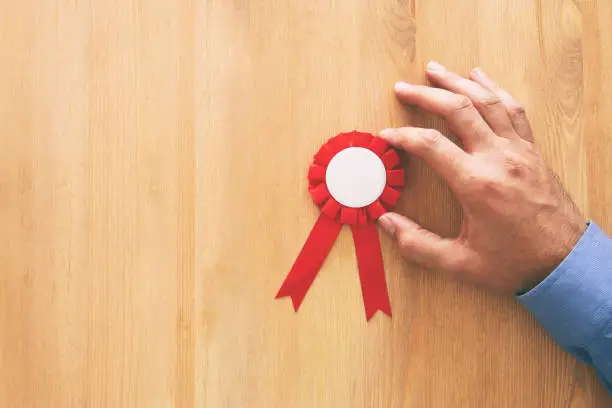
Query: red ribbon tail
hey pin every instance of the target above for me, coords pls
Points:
(371, 270)
(310, 260)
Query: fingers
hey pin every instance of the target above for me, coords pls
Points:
(485, 101)
(458, 110)
(424, 247)
(442, 155)
(516, 112)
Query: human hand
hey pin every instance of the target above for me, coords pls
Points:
(518, 221)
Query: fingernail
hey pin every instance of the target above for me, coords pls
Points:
(387, 224)
(478, 72)
(433, 66)
(386, 132)
(403, 87)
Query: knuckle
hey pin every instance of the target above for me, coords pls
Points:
(473, 178)
(485, 186)
(459, 106)
(531, 153)
(465, 181)
(405, 242)
(516, 112)
(410, 242)
(489, 101)
(430, 138)
(400, 137)
(462, 103)
(516, 166)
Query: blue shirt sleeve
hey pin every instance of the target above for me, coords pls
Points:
(574, 303)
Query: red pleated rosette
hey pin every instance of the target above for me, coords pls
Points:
(360, 219)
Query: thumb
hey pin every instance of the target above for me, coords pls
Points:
(422, 246)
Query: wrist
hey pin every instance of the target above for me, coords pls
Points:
(565, 241)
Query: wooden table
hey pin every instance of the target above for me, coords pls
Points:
(153, 197)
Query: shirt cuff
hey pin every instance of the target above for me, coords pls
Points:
(573, 303)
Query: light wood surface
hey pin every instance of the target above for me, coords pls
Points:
(153, 197)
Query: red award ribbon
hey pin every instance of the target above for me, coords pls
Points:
(361, 220)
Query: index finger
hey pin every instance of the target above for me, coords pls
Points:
(458, 110)
(441, 154)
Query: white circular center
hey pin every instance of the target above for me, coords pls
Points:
(356, 177)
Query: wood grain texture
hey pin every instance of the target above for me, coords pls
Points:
(153, 197)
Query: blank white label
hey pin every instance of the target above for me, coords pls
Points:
(356, 177)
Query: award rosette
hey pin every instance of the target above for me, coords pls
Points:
(354, 179)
